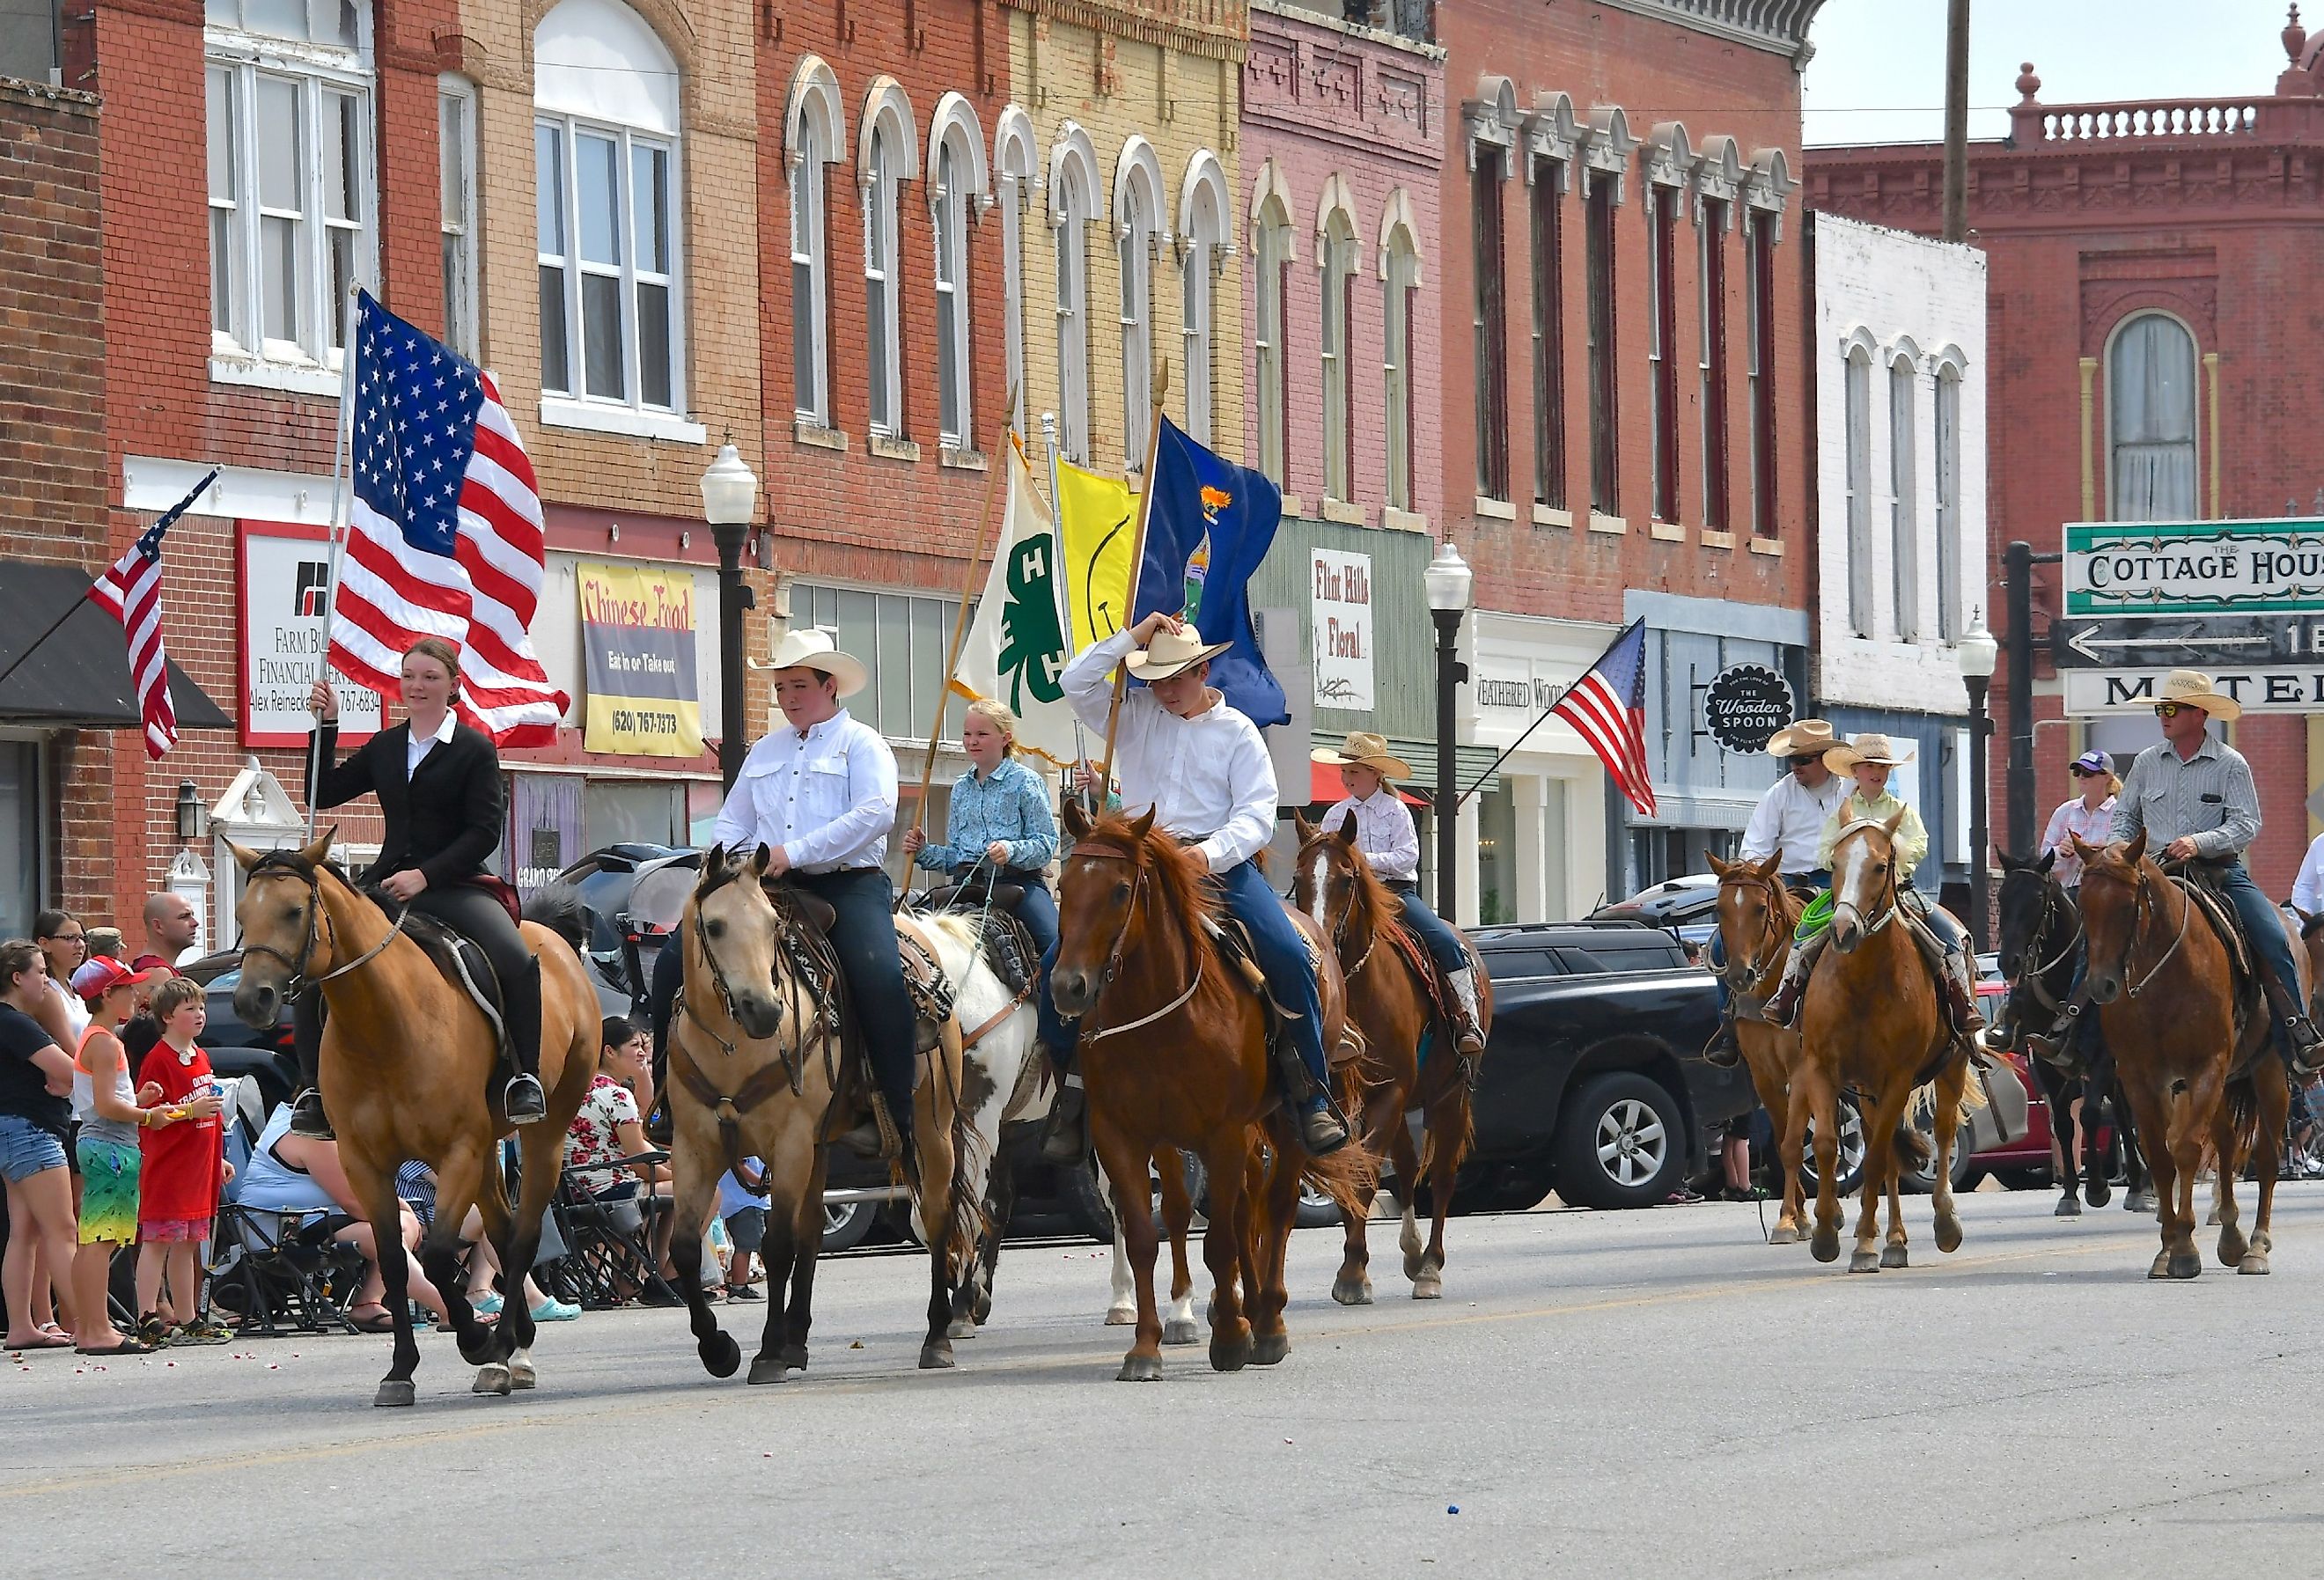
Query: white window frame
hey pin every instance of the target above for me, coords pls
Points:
(1855, 409)
(577, 406)
(1399, 292)
(1202, 259)
(1946, 419)
(460, 220)
(1016, 162)
(1904, 495)
(957, 195)
(1072, 208)
(2115, 443)
(883, 301)
(1134, 254)
(810, 263)
(1335, 266)
(1272, 253)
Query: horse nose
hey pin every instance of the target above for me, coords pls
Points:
(1069, 991)
(1845, 934)
(2105, 985)
(257, 1005)
(759, 1016)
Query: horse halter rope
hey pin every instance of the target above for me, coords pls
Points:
(1082, 850)
(318, 928)
(2143, 905)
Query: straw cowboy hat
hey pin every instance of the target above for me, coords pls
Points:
(1171, 651)
(2194, 688)
(811, 647)
(1362, 749)
(1808, 735)
(1869, 747)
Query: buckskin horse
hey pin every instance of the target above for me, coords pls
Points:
(1174, 1054)
(407, 1068)
(1391, 1003)
(1872, 1021)
(1757, 915)
(2192, 1045)
(758, 1066)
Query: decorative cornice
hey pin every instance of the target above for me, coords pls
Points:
(1778, 26)
(1213, 30)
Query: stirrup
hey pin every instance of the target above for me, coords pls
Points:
(1723, 1052)
(308, 1118)
(2307, 1048)
(524, 1099)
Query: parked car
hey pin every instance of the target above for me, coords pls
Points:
(1686, 906)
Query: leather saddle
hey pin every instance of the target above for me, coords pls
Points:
(1008, 948)
(1416, 955)
(1232, 940)
(2202, 882)
(466, 966)
(808, 920)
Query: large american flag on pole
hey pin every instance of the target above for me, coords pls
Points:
(1608, 707)
(445, 536)
(130, 592)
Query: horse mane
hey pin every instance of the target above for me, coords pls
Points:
(1178, 871)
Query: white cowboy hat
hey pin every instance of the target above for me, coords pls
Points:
(1171, 651)
(1798, 740)
(812, 647)
(2194, 688)
(1362, 749)
(1870, 747)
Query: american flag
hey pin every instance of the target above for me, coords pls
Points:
(130, 592)
(444, 538)
(1608, 707)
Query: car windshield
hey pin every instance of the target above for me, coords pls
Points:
(659, 899)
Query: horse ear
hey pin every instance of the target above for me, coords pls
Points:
(1347, 832)
(1718, 867)
(244, 858)
(2009, 864)
(1142, 826)
(1299, 821)
(317, 854)
(1773, 864)
(759, 860)
(2049, 859)
(1077, 822)
(1893, 822)
(2137, 851)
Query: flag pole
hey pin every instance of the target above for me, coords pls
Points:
(1061, 599)
(1161, 392)
(342, 440)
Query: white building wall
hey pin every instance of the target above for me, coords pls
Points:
(1888, 291)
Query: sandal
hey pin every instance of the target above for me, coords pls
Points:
(127, 1346)
(43, 1340)
(381, 1320)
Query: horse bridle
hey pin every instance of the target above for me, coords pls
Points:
(318, 927)
(1770, 930)
(2034, 979)
(2142, 905)
(714, 883)
(1888, 913)
(1083, 850)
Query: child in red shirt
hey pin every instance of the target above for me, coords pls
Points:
(182, 1169)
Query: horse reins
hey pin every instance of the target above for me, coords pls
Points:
(1755, 969)
(2143, 906)
(1886, 915)
(299, 981)
(1085, 851)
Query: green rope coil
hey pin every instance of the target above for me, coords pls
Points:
(1814, 919)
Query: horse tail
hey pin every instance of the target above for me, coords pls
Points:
(1915, 1151)
(1462, 1137)
(972, 1169)
(2242, 1098)
(1347, 1175)
(559, 908)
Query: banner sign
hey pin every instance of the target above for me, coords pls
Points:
(637, 638)
(2194, 567)
(1342, 621)
(284, 581)
(1744, 706)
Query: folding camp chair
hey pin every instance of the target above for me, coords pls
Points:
(605, 1263)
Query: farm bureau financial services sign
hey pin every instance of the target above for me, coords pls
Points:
(1341, 619)
(637, 633)
(284, 581)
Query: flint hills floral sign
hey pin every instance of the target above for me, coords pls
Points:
(2194, 567)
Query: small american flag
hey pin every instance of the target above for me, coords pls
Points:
(130, 592)
(1608, 707)
(445, 537)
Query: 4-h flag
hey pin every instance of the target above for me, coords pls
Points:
(1016, 647)
(1203, 499)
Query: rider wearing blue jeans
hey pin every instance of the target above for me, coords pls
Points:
(998, 827)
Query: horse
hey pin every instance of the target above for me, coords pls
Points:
(1873, 1022)
(1757, 915)
(2204, 1070)
(1391, 1003)
(406, 1069)
(759, 1067)
(1137, 955)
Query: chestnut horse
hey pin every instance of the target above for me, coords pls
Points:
(1333, 886)
(407, 1072)
(1872, 1021)
(1757, 916)
(2198, 1067)
(1174, 1054)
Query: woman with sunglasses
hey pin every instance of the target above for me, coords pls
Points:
(2090, 815)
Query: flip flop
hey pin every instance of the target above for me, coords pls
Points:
(45, 1341)
(380, 1321)
(128, 1347)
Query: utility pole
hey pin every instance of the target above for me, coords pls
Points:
(1957, 120)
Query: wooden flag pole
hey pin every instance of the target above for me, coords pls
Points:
(342, 463)
(1161, 392)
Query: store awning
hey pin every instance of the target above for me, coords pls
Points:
(78, 678)
(1324, 786)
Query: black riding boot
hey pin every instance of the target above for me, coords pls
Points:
(1063, 1135)
(306, 1117)
(2296, 1038)
(1723, 1049)
(525, 1100)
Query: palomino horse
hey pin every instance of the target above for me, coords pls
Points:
(1334, 886)
(2198, 1067)
(407, 1068)
(1174, 1053)
(758, 1068)
(1872, 1021)
(1756, 918)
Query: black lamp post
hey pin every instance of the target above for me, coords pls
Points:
(730, 497)
(1448, 579)
(1977, 653)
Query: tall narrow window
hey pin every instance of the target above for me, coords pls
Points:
(1548, 335)
(1713, 232)
(1137, 274)
(1605, 406)
(1272, 335)
(882, 332)
(1398, 293)
(1760, 288)
(810, 366)
(1903, 506)
(456, 140)
(1950, 624)
(1490, 323)
(1014, 180)
(1074, 214)
(2151, 420)
(225, 194)
(1857, 402)
(1338, 355)
(948, 210)
(1205, 235)
(1662, 345)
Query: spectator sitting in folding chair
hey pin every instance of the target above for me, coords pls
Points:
(607, 1140)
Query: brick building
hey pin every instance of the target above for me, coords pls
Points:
(2148, 269)
(1627, 428)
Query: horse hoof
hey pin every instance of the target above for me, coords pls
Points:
(2254, 1261)
(2098, 1191)
(984, 1312)
(1865, 1261)
(936, 1356)
(1180, 1330)
(766, 1369)
(2211, 1219)
(1269, 1348)
(2233, 1248)
(1121, 1317)
(1230, 1354)
(1428, 1286)
(2139, 1201)
(2161, 1267)
(960, 1327)
(1137, 1368)
(493, 1378)
(2187, 1264)
(721, 1355)
(1825, 1244)
(522, 1376)
(1352, 1291)
(795, 1358)
(2069, 1206)
(392, 1393)
(1785, 1234)
(1895, 1256)
(1949, 1233)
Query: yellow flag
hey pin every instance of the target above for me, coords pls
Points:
(1097, 518)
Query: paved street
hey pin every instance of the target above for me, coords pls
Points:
(1649, 1393)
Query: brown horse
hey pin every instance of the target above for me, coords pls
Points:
(1391, 1002)
(2198, 1066)
(757, 1070)
(407, 1069)
(1757, 916)
(1872, 1021)
(1174, 1054)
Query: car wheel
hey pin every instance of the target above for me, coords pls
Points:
(1922, 1180)
(1851, 1152)
(1622, 1143)
(1316, 1210)
(1084, 1205)
(2035, 1178)
(845, 1224)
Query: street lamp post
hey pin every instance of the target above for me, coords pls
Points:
(1448, 580)
(1978, 651)
(730, 497)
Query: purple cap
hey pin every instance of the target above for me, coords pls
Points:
(2094, 762)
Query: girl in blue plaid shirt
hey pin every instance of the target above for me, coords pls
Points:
(999, 825)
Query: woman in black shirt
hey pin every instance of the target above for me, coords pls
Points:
(35, 1115)
(438, 784)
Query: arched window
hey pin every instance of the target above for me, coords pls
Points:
(1136, 210)
(606, 103)
(813, 130)
(1202, 239)
(1858, 403)
(1399, 290)
(1014, 161)
(1336, 261)
(1272, 251)
(1073, 205)
(956, 163)
(1947, 460)
(1904, 502)
(2150, 419)
(887, 159)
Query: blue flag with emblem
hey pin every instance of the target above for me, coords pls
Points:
(1200, 495)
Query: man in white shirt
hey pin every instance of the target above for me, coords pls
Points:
(820, 794)
(1205, 770)
(2308, 889)
(1790, 818)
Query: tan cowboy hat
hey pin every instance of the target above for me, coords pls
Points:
(1869, 747)
(1809, 734)
(1171, 651)
(811, 647)
(2194, 688)
(1363, 749)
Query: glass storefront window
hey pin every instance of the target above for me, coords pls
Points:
(20, 836)
(1497, 856)
(901, 640)
(648, 810)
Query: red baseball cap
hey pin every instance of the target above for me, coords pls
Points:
(101, 975)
